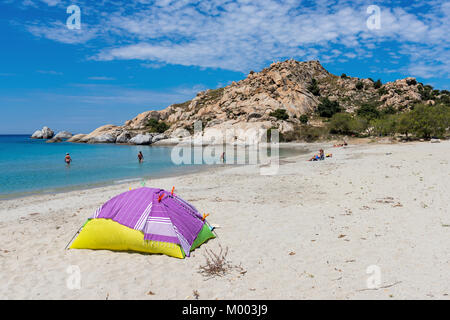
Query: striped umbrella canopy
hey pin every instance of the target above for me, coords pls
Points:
(160, 215)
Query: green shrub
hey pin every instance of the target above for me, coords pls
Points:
(183, 105)
(314, 88)
(429, 121)
(157, 126)
(404, 124)
(359, 125)
(359, 85)
(310, 134)
(152, 123)
(340, 123)
(368, 111)
(328, 108)
(344, 76)
(426, 92)
(444, 99)
(280, 114)
(162, 127)
(385, 126)
(304, 119)
(388, 110)
(345, 123)
(304, 132)
(382, 91)
(378, 84)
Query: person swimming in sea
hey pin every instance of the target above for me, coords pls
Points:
(140, 157)
(68, 159)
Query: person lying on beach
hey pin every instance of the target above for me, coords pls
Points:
(68, 159)
(140, 156)
(340, 145)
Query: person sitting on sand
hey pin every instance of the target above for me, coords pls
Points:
(317, 157)
(140, 157)
(68, 159)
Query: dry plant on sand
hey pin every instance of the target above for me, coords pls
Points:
(217, 264)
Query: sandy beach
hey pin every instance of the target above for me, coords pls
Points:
(313, 231)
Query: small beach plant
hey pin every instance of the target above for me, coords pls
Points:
(217, 264)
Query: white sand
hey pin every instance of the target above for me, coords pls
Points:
(307, 209)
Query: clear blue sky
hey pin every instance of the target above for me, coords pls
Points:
(137, 55)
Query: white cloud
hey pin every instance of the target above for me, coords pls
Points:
(58, 31)
(102, 94)
(101, 78)
(241, 35)
(50, 72)
(36, 3)
(153, 65)
(51, 2)
(427, 62)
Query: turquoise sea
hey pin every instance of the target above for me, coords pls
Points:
(29, 166)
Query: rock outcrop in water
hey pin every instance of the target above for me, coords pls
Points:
(60, 137)
(248, 105)
(45, 133)
(64, 135)
(142, 139)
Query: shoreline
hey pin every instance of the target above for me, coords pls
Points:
(94, 186)
(178, 171)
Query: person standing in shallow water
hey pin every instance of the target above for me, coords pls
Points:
(140, 157)
(68, 159)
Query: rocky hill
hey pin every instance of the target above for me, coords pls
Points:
(296, 87)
